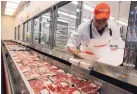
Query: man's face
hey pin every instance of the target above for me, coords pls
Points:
(99, 23)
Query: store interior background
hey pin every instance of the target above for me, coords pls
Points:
(26, 10)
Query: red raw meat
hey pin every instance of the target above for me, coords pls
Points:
(73, 79)
(71, 90)
(82, 84)
(31, 75)
(60, 77)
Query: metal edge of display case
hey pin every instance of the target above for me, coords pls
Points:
(95, 72)
(9, 88)
(30, 90)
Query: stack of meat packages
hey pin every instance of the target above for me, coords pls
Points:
(45, 78)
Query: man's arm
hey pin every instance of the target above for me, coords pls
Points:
(74, 41)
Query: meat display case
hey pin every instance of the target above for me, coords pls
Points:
(20, 84)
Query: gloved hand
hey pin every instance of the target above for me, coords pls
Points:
(74, 52)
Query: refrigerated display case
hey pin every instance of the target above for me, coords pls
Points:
(65, 25)
(42, 73)
(19, 32)
(45, 29)
(16, 33)
(25, 31)
(130, 59)
(36, 31)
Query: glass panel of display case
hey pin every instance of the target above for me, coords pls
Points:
(25, 31)
(19, 32)
(29, 32)
(45, 29)
(36, 30)
(131, 45)
(16, 33)
(66, 24)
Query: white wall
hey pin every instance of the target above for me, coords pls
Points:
(9, 23)
(7, 27)
(34, 8)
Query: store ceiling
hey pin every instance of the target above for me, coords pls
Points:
(3, 6)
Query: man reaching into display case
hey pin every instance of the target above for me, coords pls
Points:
(100, 27)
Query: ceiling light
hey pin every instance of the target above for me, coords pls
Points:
(17, 1)
(10, 10)
(62, 20)
(85, 20)
(74, 2)
(112, 18)
(121, 22)
(46, 17)
(88, 8)
(66, 14)
(11, 5)
(8, 13)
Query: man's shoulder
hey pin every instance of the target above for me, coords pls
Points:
(112, 24)
(84, 25)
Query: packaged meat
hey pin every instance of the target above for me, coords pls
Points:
(73, 79)
(45, 91)
(24, 68)
(30, 75)
(87, 87)
(72, 90)
(58, 88)
(82, 84)
(59, 77)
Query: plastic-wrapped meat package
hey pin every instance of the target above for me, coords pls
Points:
(58, 88)
(57, 70)
(73, 79)
(30, 75)
(72, 90)
(46, 65)
(17, 59)
(82, 84)
(58, 78)
(41, 70)
(37, 86)
(24, 68)
(87, 87)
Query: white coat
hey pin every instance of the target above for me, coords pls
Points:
(82, 34)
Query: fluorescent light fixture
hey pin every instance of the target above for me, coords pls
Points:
(74, 2)
(85, 20)
(121, 22)
(112, 18)
(10, 10)
(62, 20)
(8, 13)
(46, 17)
(66, 14)
(88, 7)
(11, 5)
(17, 1)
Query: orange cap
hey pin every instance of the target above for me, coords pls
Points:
(102, 10)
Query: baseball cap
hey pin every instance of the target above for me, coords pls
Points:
(102, 10)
